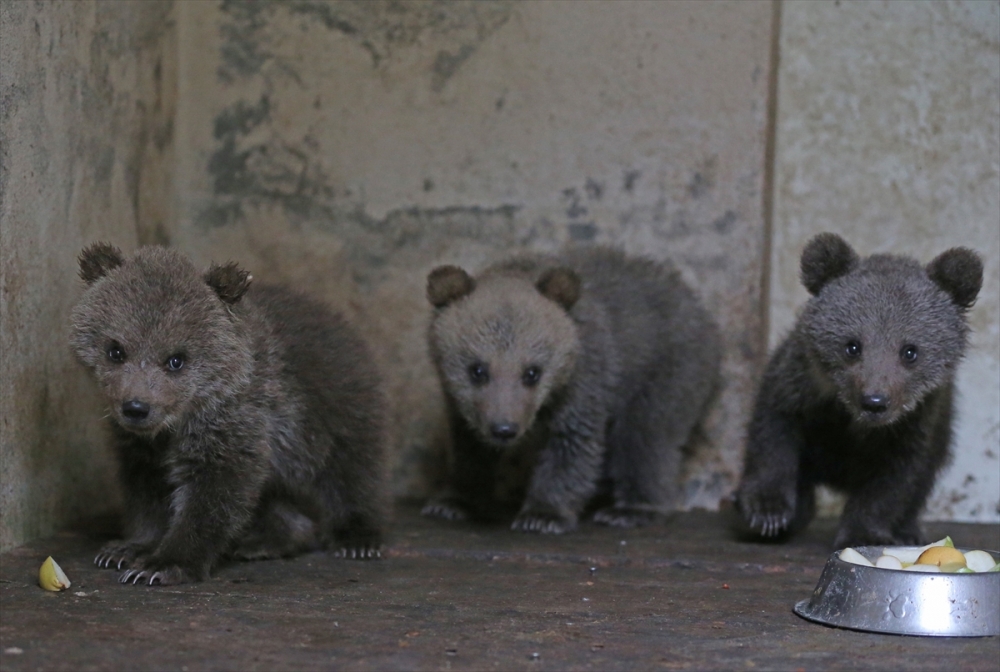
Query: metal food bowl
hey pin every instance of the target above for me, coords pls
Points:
(904, 603)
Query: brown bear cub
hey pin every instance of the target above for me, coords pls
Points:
(860, 395)
(605, 363)
(247, 421)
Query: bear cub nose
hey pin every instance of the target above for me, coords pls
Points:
(135, 409)
(875, 403)
(504, 430)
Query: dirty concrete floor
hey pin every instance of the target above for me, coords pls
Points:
(684, 595)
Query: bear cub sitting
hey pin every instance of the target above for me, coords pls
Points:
(860, 395)
(247, 421)
(604, 363)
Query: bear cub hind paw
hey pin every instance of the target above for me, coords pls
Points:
(444, 508)
(626, 516)
(360, 542)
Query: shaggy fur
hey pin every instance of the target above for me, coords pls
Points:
(601, 363)
(247, 421)
(859, 395)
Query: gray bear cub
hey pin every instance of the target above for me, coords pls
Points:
(247, 421)
(605, 363)
(860, 395)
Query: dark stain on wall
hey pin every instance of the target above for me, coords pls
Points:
(252, 165)
(704, 179)
(377, 26)
(725, 223)
(582, 232)
(446, 65)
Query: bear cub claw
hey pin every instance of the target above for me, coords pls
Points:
(544, 523)
(767, 513)
(119, 555)
(627, 516)
(444, 509)
(166, 576)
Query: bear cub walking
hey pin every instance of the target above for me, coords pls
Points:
(860, 395)
(247, 421)
(605, 362)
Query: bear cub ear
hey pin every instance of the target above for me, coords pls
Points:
(97, 260)
(825, 258)
(229, 281)
(561, 285)
(958, 271)
(448, 283)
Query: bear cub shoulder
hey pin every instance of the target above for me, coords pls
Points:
(247, 421)
(859, 396)
(600, 363)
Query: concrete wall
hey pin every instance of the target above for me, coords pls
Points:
(85, 136)
(349, 147)
(889, 134)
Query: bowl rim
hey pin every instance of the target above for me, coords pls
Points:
(835, 556)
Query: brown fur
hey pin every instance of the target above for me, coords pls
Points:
(601, 363)
(860, 395)
(247, 420)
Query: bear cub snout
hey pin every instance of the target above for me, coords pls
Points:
(247, 420)
(860, 395)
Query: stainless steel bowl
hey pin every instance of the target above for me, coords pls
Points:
(904, 603)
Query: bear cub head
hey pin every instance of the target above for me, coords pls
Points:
(883, 332)
(160, 336)
(504, 346)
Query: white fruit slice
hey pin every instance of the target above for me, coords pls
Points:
(852, 556)
(979, 561)
(923, 568)
(888, 562)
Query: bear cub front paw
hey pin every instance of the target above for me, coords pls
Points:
(768, 512)
(543, 522)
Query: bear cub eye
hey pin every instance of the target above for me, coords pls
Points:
(479, 374)
(909, 354)
(531, 376)
(175, 362)
(116, 353)
(852, 349)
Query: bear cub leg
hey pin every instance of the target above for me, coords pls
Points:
(280, 531)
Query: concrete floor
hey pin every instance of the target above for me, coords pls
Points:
(685, 595)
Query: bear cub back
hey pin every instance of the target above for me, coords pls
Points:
(601, 364)
(247, 420)
(859, 396)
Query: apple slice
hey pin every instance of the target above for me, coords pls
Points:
(979, 561)
(852, 556)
